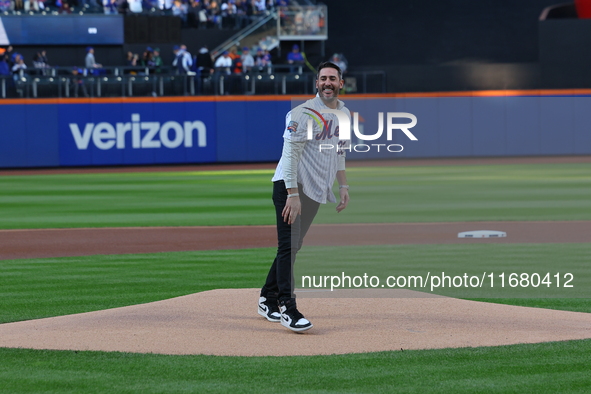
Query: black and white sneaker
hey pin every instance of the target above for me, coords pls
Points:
(292, 318)
(269, 309)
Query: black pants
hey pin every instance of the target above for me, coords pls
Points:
(280, 281)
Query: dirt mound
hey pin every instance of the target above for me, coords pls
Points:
(225, 322)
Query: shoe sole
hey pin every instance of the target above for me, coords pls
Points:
(297, 329)
(264, 314)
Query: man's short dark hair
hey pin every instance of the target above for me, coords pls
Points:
(330, 65)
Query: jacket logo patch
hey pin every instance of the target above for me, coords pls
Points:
(292, 126)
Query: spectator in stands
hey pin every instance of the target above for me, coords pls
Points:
(147, 58)
(110, 7)
(90, 61)
(203, 16)
(248, 4)
(182, 59)
(223, 64)
(165, 4)
(5, 5)
(128, 58)
(258, 58)
(34, 5)
(65, 8)
(228, 14)
(135, 6)
(157, 60)
(132, 59)
(9, 56)
(19, 65)
(194, 7)
(236, 60)
(187, 55)
(214, 14)
(181, 10)
(241, 14)
(267, 57)
(233, 84)
(262, 59)
(204, 62)
(40, 62)
(13, 58)
(312, 21)
(4, 69)
(259, 7)
(175, 52)
(247, 60)
(340, 61)
(300, 22)
(295, 58)
(123, 7)
(237, 67)
(19, 5)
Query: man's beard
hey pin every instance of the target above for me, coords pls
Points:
(334, 96)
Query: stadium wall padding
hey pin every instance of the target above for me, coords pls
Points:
(55, 133)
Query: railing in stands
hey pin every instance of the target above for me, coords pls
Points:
(139, 81)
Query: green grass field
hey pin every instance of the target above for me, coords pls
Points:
(36, 288)
(380, 195)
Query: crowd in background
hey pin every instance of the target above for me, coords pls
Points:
(231, 14)
(12, 62)
(242, 61)
(232, 62)
(234, 66)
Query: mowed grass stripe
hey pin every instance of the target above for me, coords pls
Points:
(36, 288)
(379, 194)
(559, 367)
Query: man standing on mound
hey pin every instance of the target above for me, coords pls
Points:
(303, 180)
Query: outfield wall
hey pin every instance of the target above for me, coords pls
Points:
(98, 132)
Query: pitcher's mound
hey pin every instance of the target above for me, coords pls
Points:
(225, 322)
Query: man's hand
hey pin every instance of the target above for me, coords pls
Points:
(344, 194)
(293, 207)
